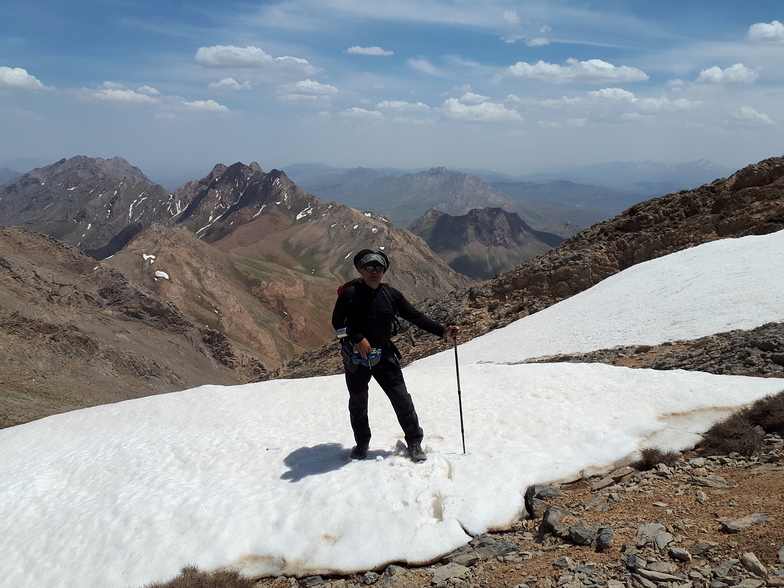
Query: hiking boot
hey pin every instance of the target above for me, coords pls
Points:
(416, 452)
(360, 451)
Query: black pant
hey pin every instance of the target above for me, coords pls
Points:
(390, 377)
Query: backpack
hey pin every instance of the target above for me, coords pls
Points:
(396, 326)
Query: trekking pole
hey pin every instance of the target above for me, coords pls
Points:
(459, 396)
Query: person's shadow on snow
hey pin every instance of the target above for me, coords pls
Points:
(319, 459)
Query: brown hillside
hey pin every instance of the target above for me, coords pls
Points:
(76, 333)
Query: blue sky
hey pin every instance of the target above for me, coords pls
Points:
(512, 86)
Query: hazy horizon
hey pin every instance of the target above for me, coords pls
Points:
(512, 87)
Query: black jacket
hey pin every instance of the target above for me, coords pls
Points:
(368, 314)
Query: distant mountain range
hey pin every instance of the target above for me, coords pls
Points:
(215, 206)
(651, 178)
(232, 276)
(557, 202)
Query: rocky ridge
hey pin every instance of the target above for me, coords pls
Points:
(94, 204)
(758, 352)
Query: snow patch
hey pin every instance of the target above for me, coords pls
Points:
(304, 213)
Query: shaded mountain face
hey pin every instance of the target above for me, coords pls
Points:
(484, 242)
(749, 202)
(404, 198)
(6, 175)
(77, 333)
(94, 204)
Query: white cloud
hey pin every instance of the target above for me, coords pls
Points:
(590, 71)
(472, 99)
(361, 113)
(767, 33)
(308, 87)
(538, 42)
(747, 114)
(475, 108)
(114, 92)
(737, 74)
(149, 90)
(254, 58)
(655, 105)
(512, 38)
(205, 106)
(16, 78)
(368, 51)
(230, 84)
(562, 103)
(645, 105)
(511, 17)
(425, 66)
(402, 106)
(307, 93)
(614, 94)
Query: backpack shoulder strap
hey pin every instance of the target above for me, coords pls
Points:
(348, 285)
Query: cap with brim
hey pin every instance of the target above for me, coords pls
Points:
(370, 257)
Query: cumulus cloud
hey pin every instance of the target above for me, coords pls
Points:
(590, 71)
(368, 51)
(402, 106)
(475, 108)
(736, 74)
(114, 92)
(205, 106)
(767, 33)
(230, 84)
(307, 93)
(747, 114)
(644, 105)
(308, 87)
(252, 58)
(614, 94)
(361, 113)
(16, 78)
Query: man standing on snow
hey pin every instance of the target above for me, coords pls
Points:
(364, 315)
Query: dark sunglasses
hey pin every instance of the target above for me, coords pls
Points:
(374, 268)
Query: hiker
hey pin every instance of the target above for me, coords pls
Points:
(364, 317)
